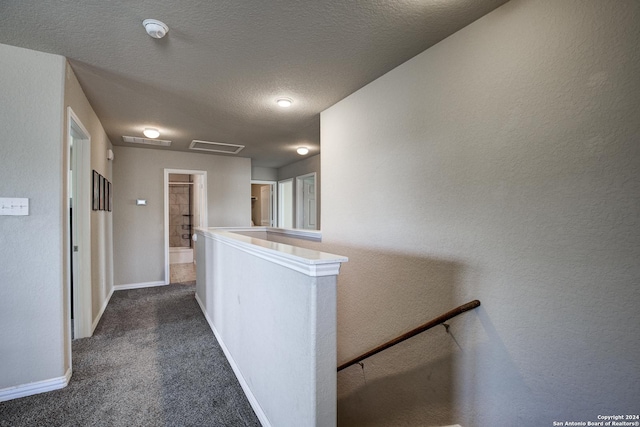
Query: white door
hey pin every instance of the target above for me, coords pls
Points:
(74, 243)
(80, 183)
(306, 203)
(265, 205)
(285, 203)
(309, 200)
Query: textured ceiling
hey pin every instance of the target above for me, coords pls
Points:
(218, 72)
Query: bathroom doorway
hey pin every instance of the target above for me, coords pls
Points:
(185, 210)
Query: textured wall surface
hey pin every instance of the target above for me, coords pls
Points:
(181, 211)
(138, 231)
(504, 165)
(31, 276)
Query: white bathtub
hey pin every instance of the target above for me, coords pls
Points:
(180, 255)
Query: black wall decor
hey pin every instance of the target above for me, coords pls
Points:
(95, 204)
(102, 196)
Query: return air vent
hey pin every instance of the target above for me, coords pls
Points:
(217, 147)
(137, 140)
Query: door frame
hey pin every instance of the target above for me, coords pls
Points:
(82, 321)
(204, 217)
(300, 198)
(281, 203)
(273, 212)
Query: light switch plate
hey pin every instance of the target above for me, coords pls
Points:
(14, 206)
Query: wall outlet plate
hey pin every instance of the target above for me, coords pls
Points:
(14, 206)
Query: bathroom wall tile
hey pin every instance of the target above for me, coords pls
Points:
(175, 219)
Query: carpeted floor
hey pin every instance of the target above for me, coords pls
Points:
(153, 361)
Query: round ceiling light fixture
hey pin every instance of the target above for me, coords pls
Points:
(303, 151)
(284, 102)
(151, 133)
(155, 28)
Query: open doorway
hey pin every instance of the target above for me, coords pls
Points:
(79, 211)
(185, 209)
(263, 203)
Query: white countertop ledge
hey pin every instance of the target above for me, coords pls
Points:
(307, 261)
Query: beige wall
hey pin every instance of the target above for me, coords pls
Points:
(101, 221)
(32, 284)
(503, 165)
(139, 230)
(264, 174)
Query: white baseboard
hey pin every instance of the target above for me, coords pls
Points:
(236, 370)
(101, 312)
(138, 285)
(35, 387)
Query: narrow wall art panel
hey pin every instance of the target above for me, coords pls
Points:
(95, 203)
(109, 196)
(101, 192)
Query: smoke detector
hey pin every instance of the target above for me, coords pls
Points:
(155, 28)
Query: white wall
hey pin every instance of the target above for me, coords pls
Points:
(139, 230)
(32, 346)
(272, 308)
(504, 165)
(264, 174)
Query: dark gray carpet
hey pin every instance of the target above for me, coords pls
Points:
(153, 361)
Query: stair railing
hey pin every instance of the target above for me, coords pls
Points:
(430, 324)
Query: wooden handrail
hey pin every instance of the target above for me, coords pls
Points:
(435, 322)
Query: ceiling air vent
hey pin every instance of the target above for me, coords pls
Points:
(217, 147)
(146, 141)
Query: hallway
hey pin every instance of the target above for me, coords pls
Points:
(152, 361)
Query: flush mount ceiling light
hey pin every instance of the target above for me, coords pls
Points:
(155, 28)
(284, 102)
(151, 133)
(302, 151)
